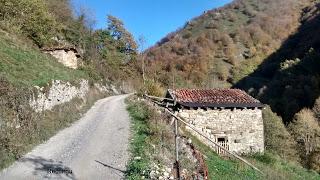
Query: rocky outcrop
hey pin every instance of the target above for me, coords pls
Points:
(68, 56)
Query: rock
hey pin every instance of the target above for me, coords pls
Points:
(152, 174)
(166, 174)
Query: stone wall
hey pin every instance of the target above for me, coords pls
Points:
(243, 128)
(60, 92)
(66, 57)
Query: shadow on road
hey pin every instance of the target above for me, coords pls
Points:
(48, 168)
(108, 166)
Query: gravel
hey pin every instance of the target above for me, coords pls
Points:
(95, 147)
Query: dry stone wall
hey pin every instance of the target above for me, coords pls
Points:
(241, 128)
(61, 92)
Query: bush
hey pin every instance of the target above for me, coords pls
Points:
(152, 88)
(314, 160)
(277, 138)
(305, 130)
(266, 158)
(31, 17)
(316, 109)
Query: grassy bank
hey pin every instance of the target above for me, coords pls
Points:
(25, 66)
(23, 129)
(271, 165)
(221, 168)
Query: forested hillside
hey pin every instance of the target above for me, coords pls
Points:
(224, 45)
(269, 48)
(288, 79)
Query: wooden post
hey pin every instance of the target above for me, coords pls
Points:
(176, 133)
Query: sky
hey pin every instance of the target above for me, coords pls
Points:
(153, 19)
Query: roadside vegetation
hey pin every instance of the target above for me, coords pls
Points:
(139, 164)
(152, 143)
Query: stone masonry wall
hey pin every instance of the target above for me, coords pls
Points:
(242, 127)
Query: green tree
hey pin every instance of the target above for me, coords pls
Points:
(61, 10)
(125, 41)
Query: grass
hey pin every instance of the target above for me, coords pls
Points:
(276, 168)
(139, 163)
(27, 66)
(271, 165)
(221, 168)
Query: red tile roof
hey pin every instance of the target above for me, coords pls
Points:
(213, 98)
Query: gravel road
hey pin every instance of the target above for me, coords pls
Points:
(95, 147)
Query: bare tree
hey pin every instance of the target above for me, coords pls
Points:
(142, 42)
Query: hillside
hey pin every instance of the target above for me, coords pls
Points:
(26, 67)
(288, 80)
(223, 45)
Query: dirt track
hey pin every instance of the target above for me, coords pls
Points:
(95, 147)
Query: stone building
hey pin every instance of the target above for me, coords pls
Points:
(67, 55)
(229, 117)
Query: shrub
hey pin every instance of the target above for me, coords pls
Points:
(277, 138)
(314, 160)
(31, 17)
(266, 158)
(152, 88)
(316, 109)
(305, 130)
